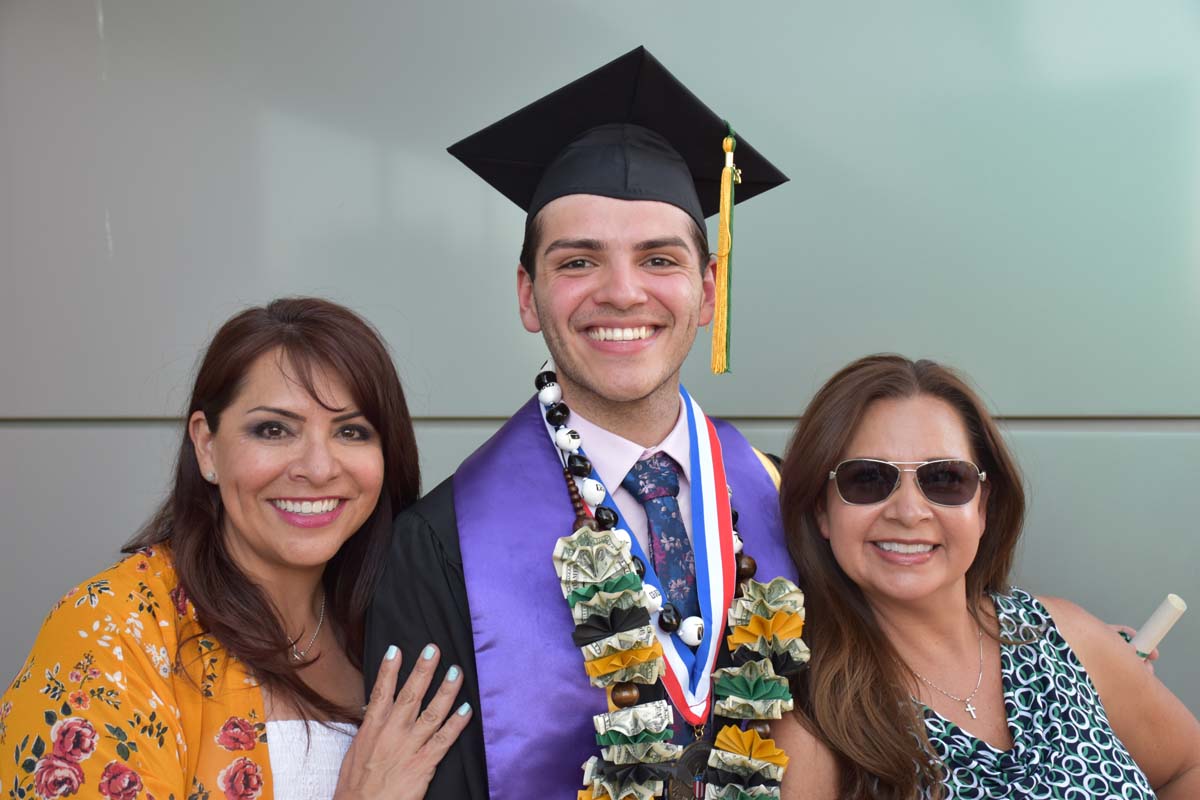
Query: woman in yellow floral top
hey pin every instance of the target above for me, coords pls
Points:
(241, 603)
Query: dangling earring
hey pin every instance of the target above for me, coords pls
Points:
(210, 476)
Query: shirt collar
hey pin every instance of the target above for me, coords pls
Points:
(612, 455)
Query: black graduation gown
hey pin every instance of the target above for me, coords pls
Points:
(422, 599)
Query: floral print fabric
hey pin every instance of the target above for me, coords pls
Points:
(99, 709)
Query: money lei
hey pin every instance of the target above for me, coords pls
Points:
(598, 577)
(597, 574)
(765, 623)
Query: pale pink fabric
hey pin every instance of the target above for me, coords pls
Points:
(612, 457)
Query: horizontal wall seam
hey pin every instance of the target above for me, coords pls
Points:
(465, 420)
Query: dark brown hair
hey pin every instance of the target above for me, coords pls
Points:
(310, 335)
(533, 240)
(856, 695)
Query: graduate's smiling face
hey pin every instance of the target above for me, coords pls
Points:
(619, 294)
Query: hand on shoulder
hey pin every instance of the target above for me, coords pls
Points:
(399, 746)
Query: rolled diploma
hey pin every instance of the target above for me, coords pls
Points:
(1165, 616)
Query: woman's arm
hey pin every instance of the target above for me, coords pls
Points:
(811, 772)
(1161, 734)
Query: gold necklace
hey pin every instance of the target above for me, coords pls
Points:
(966, 701)
(299, 655)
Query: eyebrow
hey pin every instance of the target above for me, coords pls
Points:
(596, 244)
(573, 244)
(283, 412)
(658, 244)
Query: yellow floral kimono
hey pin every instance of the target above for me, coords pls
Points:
(99, 710)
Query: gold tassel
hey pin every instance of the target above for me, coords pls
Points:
(730, 176)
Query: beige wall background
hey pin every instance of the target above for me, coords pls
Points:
(1008, 187)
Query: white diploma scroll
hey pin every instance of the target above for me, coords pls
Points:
(1165, 616)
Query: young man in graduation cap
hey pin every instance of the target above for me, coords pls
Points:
(617, 172)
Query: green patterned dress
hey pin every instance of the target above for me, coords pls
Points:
(1063, 745)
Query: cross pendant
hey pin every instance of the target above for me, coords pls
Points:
(971, 710)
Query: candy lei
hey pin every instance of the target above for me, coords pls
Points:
(614, 610)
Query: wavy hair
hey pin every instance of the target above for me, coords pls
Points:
(312, 335)
(856, 695)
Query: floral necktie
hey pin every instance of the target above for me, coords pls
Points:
(655, 483)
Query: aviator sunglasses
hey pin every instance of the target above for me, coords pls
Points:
(945, 482)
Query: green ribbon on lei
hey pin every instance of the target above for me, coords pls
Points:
(616, 737)
(629, 580)
(763, 688)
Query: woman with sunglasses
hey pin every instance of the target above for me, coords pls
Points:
(930, 676)
(222, 657)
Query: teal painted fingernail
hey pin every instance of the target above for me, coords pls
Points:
(464, 709)
(452, 674)
(392, 652)
(428, 652)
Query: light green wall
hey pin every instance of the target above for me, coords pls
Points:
(1008, 186)
(1112, 511)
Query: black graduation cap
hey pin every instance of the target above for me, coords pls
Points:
(628, 130)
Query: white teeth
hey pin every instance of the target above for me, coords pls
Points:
(899, 547)
(307, 506)
(619, 334)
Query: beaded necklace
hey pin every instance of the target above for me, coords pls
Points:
(602, 581)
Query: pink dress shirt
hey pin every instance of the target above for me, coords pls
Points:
(612, 457)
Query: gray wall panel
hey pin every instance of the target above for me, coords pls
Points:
(73, 493)
(1010, 186)
(1111, 522)
(1112, 526)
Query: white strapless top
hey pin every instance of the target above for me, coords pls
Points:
(306, 767)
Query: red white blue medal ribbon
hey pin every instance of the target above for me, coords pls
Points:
(688, 674)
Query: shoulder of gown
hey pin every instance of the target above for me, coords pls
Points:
(421, 599)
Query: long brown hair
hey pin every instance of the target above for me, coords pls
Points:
(856, 694)
(311, 334)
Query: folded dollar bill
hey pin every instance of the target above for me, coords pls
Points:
(603, 603)
(578, 565)
(655, 717)
(765, 600)
(741, 708)
(624, 640)
(795, 648)
(628, 790)
(647, 672)
(741, 765)
(644, 753)
(733, 791)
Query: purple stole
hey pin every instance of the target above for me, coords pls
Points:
(536, 704)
